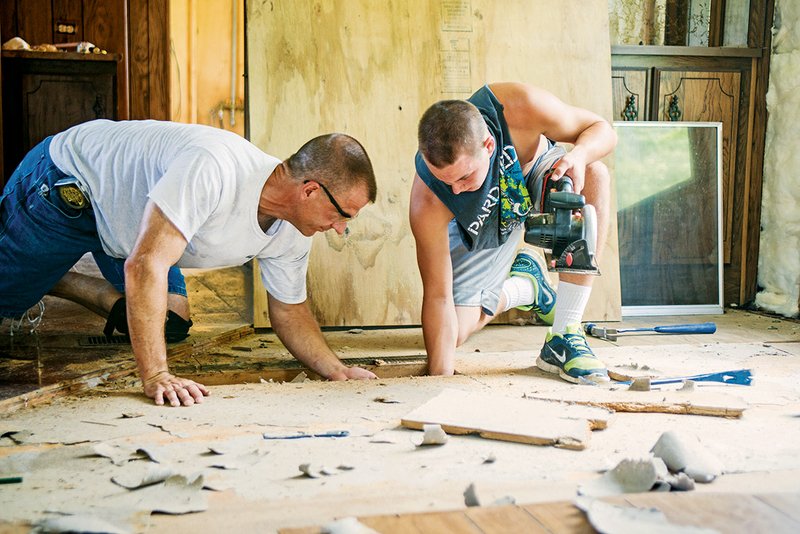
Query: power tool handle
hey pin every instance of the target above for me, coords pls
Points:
(565, 184)
(698, 328)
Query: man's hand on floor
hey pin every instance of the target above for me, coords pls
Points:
(352, 373)
(165, 387)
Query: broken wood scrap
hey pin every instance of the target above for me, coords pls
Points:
(692, 402)
(504, 418)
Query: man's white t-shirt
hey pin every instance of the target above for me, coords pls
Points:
(206, 181)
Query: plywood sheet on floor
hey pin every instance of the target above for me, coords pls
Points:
(496, 416)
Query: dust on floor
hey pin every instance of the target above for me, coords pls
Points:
(377, 468)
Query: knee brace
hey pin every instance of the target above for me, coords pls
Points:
(175, 327)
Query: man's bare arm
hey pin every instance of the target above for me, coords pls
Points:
(158, 247)
(532, 111)
(429, 219)
(300, 333)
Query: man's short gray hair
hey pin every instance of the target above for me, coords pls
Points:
(335, 160)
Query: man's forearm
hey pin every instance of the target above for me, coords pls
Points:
(440, 332)
(146, 292)
(596, 142)
(299, 332)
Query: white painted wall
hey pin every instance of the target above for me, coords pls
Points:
(779, 256)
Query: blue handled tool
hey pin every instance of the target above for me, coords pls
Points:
(741, 377)
(611, 334)
(299, 435)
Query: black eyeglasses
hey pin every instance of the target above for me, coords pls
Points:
(333, 201)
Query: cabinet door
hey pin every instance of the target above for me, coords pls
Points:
(52, 103)
(706, 97)
(630, 93)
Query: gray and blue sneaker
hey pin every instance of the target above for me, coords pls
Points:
(544, 304)
(569, 356)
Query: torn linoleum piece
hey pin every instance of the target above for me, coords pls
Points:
(118, 455)
(317, 471)
(629, 476)
(683, 452)
(240, 461)
(78, 523)
(432, 435)
(19, 437)
(176, 495)
(605, 517)
(347, 525)
(139, 475)
(471, 498)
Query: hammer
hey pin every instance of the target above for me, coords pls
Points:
(611, 334)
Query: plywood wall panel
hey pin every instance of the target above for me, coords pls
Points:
(316, 67)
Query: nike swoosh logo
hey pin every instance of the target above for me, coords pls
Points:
(560, 357)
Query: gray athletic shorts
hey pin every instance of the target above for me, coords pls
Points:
(478, 276)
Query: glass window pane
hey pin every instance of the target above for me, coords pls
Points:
(667, 177)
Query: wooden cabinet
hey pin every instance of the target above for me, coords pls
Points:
(669, 87)
(45, 93)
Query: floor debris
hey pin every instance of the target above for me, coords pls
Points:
(316, 471)
(176, 495)
(432, 435)
(240, 461)
(611, 518)
(689, 402)
(683, 452)
(471, 498)
(116, 453)
(78, 523)
(387, 400)
(629, 476)
(138, 476)
(347, 525)
(510, 419)
(640, 384)
(300, 378)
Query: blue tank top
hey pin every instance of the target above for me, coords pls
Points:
(487, 217)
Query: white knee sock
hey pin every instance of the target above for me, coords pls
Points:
(570, 305)
(518, 291)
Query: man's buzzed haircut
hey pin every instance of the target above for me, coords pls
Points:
(335, 160)
(448, 129)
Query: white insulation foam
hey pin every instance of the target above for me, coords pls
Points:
(779, 255)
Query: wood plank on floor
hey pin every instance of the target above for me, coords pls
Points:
(727, 513)
(455, 522)
(504, 519)
(723, 512)
(787, 503)
(560, 517)
(697, 402)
